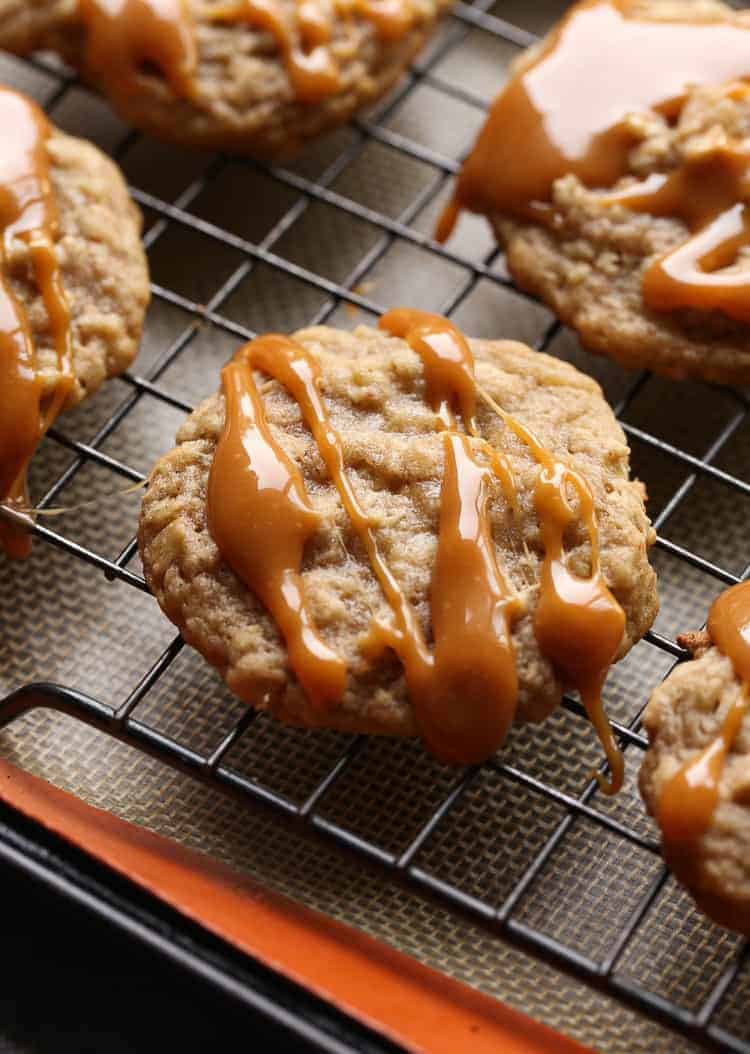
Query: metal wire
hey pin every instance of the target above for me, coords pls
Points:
(122, 722)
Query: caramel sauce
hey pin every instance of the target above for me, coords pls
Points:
(303, 35)
(469, 703)
(447, 361)
(27, 215)
(124, 36)
(689, 799)
(565, 112)
(464, 689)
(464, 708)
(578, 623)
(391, 18)
(302, 39)
(450, 382)
(260, 515)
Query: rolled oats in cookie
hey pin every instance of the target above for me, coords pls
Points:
(695, 777)
(259, 77)
(73, 286)
(400, 531)
(614, 167)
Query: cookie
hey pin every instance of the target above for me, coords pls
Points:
(695, 777)
(252, 77)
(401, 532)
(73, 284)
(619, 193)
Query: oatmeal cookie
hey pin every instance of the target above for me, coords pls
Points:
(103, 269)
(374, 387)
(240, 96)
(685, 715)
(587, 256)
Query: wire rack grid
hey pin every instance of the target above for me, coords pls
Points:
(325, 186)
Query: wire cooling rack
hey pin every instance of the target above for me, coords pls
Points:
(688, 443)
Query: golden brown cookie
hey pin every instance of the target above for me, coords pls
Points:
(628, 219)
(254, 78)
(392, 428)
(684, 719)
(74, 287)
(695, 777)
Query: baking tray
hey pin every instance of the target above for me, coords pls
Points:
(518, 878)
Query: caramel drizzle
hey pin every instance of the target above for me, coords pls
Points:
(124, 35)
(547, 123)
(261, 536)
(465, 698)
(302, 38)
(689, 798)
(464, 691)
(578, 623)
(260, 514)
(27, 215)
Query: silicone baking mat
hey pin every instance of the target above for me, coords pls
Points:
(518, 878)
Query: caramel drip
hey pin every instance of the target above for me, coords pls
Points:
(260, 515)
(564, 112)
(689, 799)
(303, 35)
(684, 278)
(449, 378)
(391, 18)
(548, 122)
(302, 38)
(709, 194)
(447, 360)
(578, 623)
(465, 707)
(27, 215)
(126, 36)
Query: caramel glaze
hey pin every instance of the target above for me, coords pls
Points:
(260, 514)
(578, 623)
(690, 797)
(126, 35)
(27, 215)
(464, 708)
(565, 112)
(303, 36)
(464, 689)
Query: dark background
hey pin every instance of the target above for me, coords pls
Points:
(70, 982)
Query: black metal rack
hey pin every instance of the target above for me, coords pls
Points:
(122, 721)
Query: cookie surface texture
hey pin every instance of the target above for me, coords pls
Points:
(240, 92)
(373, 385)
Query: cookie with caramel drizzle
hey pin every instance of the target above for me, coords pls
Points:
(67, 228)
(402, 531)
(259, 77)
(695, 777)
(615, 167)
